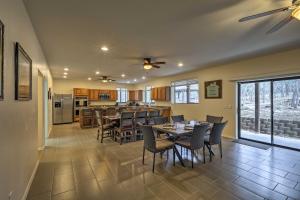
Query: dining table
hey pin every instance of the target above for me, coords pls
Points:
(178, 130)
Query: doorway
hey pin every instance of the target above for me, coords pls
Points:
(42, 103)
(269, 111)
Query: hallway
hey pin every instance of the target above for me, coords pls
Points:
(76, 166)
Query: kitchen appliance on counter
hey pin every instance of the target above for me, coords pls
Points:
(79, 103)
(62, 108)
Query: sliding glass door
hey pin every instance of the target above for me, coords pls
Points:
(269, 111)
(287, 113)
(255, 111)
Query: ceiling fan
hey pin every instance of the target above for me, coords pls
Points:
(149, 65)
(295, 8)
(105, 79)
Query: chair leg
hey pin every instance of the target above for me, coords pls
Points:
(210, 154)
(221, 151)
(143, 155)
(102, 135)
(192, 152)
(168, 154)
(98, 134)
(174, 156)
(181, 150)
(203, 154)
(153, 162)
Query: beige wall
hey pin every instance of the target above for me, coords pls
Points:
(18, 119)
(266, 66)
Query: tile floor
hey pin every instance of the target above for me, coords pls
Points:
(76, 166)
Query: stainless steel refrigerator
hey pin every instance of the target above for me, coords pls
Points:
(62, 108)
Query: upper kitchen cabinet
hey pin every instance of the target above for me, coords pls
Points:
(94, 94)
(135, 95)
(81, 92)
(161, 93)
(113, 95)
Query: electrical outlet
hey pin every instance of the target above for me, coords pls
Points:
(10, 195)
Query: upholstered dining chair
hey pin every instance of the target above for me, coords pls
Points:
(215, 138)
(151, 115)
(126, 127)
(195, 142)
(177, 118)
(105, 129)
(155, 146)
(140, 117)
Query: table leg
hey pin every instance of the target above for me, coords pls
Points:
(178, 156)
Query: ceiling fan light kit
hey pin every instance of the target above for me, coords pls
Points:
(147, 66)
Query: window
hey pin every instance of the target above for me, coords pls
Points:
(122, 95)
(147, 98)
(186, 91)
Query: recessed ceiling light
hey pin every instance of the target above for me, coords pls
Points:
(104, 48)
(64, 76)
(128, 82)
(97, 72)
(135, 80)
(66, 69)
(144, 77)
(180, 64)
(123, 75)
(89, 78)
(65, 73)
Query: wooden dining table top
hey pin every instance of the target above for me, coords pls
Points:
(179, 129)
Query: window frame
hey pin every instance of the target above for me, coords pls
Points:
(186, 83)
(119, 91)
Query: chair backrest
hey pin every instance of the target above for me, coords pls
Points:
(177, 118)
(213, 119)
(141, 117)
(216, 133)
(126, 120)
(160, 120)
(99, 117)
(154, 113)
(111, 111)
(149, 138)
(197, 139)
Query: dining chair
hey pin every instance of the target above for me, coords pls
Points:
(105, 129)
(195, 142)
(213, 119)
(155, 146)
(126, 126)
(215, 138)
(140, 118)
(177, 118)
(151, 115)
(111, 111)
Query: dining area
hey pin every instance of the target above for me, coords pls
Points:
(163, 136)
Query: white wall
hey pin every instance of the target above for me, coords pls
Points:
(282, 63)
(18, 120)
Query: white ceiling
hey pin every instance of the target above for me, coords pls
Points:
(197, 33)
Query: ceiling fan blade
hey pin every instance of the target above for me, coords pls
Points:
(280, 24)
(159, 63)
(263, 14)
(156, 66)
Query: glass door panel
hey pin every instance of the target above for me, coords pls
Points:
(286, 106)
(255, 111)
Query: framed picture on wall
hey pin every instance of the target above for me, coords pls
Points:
(1, 59)
(23, 74)
(213, 89)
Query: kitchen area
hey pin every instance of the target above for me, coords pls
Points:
(79, 107)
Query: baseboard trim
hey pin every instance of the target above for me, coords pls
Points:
(24, 197)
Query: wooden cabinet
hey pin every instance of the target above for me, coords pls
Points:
(81, 92)
(113, 95)
(161, 93)
(94, 95)
(135, 95)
